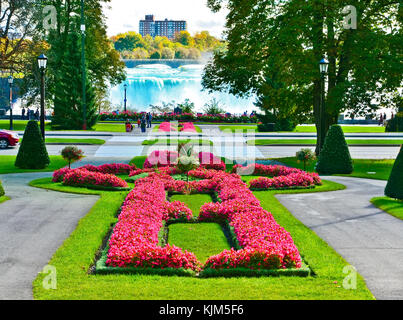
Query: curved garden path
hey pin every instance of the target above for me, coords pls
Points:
(33, 225)
(368, 238)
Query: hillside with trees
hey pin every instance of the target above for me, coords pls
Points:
(132, 45)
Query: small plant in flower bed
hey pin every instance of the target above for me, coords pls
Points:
(85, 178)
(281, 177)
(209, 161)
(305, 156)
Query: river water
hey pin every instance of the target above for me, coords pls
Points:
(157, 83)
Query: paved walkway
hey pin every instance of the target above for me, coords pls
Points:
(365, 236)
(33, 225)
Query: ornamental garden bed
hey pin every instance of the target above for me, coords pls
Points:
(253, 244)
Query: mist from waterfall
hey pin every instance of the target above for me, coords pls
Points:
(156, 83)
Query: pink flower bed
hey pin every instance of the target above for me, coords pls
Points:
(189, 127)
(83, 178)
(282, 177)
(210, 161)
(169, 127)
(266, 245)
(114, 168)
(134, 242)
(161, 159)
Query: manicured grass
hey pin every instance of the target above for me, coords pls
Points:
(309, 129)
(74, 141)
(194, 201)
(4, 199)
(363, 168)
(203, 239)
(7, 165)
(76, 255)
(391, 206)
(176, 142)
(298, 142)
(138, 161)
(18, 125)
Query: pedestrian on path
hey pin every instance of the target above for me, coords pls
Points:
(143, 124)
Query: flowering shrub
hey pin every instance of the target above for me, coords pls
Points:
(161, 159)
(170, 127)
(83, 178)
(114, 168)
(189, 127)
(134, 241)
(210, 161)
(71, 154)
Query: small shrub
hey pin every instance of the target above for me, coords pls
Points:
(395, 124)
(32, 153)
(2, 193)
(72, 154)
(305, 156)
(186, 164)
(394, 188)
(335, 156)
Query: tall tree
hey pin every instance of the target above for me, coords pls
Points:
(274, 48)
(68, 96)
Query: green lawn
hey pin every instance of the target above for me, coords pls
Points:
(4, 199)
(203, 239)
(76, 255)
(194, 201)
(177, 142)
(391, 206)
(308, 129)
(7, 165)
(363, 168)
(312, 142)
(74, 141)
(18, 125)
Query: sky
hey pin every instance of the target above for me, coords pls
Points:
(124, 15)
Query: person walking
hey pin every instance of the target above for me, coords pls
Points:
(143, 124)
(37, 114)
(151, 120)
(28, 113)
(23, 114)
(381, 120)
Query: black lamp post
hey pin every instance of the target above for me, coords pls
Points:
(125, 86)
(10, 82)
(42, 63)
(323, 66)
(84, 71)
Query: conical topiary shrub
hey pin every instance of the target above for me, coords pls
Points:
(394, 188)
(2, 193)
(335, 157)
(32, 153)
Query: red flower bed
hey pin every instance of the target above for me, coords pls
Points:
(210, 161)
(114, 168)
(83, 178)
(161, 159)
(134, 241)
(282, 177)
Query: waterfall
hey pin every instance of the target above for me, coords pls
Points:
(157, 83)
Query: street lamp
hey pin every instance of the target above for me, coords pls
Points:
(84, 71)
(323, 67)
(10, 82)
(42, 63)
(125, 86)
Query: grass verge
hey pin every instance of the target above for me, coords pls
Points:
(75, 141)
(392, 206)
(76, 255)
(309, 129)
(193, 201)
(309, 142)
(7, 165)
(4, 199)
(363, 168)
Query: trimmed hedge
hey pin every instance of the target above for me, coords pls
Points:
(335, 156)
(395, 124)
(2, 193)
(32, 153)
(394, 188)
